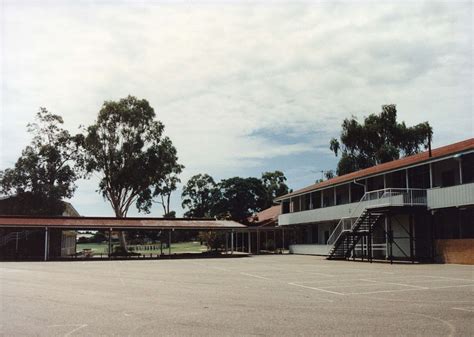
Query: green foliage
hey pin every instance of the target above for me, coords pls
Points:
(47, 168)
(235, 198)
(162, 191)
(275, 186)
(214, 240)
(200, 195)
(127, 148)
(378, 140)
(329, 174)
(240, 198)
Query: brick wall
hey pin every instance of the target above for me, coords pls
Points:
(455, 251)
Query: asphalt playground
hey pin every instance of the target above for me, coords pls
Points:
(273, 295)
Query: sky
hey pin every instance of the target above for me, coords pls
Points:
(242, 88)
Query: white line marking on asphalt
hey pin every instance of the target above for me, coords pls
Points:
(398, 284)
(78, 327)
(74, 330)
(450, 278)
(450, 326)
(458, 286)
(398, 290)
(256, 276)
(210, 267)
(318, 289)
(470, 309)
(314, 273)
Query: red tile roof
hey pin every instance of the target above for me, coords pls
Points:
(389, 166)
(268, 214)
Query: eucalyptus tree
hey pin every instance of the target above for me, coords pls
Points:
(47, 169)
(199, 196)
(126, 147)
(379, 139)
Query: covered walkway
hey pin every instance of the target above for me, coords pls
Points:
(44, 236)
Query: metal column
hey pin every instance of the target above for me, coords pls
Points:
(410, 232)
(110, 243)
(46, 243)
(283, 238)
(169, 242)
(258, 241)
(250, 243)
(390, 234)
(226, 242)
(232, 242)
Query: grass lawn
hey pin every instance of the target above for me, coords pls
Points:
(179, 247)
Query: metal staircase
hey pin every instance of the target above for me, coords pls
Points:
(347, 241)
(365, 216)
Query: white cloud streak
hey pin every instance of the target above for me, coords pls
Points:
(229, 79)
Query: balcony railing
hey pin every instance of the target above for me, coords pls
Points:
(379, 198)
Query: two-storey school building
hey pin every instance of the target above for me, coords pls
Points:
(420, 207)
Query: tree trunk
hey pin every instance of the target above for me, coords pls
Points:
(123, 241)
(121, 234)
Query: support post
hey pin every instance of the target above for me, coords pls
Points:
(410, 232)
(110, 243)
(283, 238)
(266, 240)
(350, 193)
(433, 237)
(258, 241)
(335, 197)
(431, 175)
(46, 243)
(370, 245)
(232, 242)
(390, 234)
(460, 170)
(250, 243)
(407, 182)
(226, 242)
(274, 241)
(169, 242)
(386, 237)
(322, 198)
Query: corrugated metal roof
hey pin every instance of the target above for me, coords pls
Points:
(116, 223)
(390, 166)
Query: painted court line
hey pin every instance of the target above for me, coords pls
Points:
(450, 278)
(314, 273)
(464, 309)
(210, 267)
(394, 283)
(399, 290)
(318, 289)
(256, 276)
(78, 327)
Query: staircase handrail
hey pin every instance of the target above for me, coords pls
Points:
(415, 196)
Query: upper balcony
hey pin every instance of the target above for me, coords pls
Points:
(453, 196)
(389, 197)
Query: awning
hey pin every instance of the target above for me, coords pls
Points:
(98, 223)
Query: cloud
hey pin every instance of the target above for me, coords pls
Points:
(238, 85)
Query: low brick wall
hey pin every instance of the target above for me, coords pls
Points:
(455, 251)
